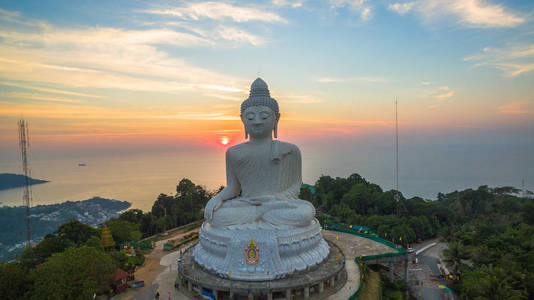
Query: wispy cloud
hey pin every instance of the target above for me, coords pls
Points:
(469, 13)
(443, 92)
(238, 35)
(198, 116)
(401, 8)
(218, 11)
(358, 6)
(513, 60)
(291, 3)
(220, 32)
(300, 99)
(440, 92)
(361, 79)
(104, 57)
(48, 90)
(39, 97)
(516, 108)
(92, 112)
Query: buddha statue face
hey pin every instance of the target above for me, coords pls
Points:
(259, 121)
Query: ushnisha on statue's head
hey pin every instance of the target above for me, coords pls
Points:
(260, 113)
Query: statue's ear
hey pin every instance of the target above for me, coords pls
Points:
(275, 130)
(246, 132)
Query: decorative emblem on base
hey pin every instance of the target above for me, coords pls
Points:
(252, 253)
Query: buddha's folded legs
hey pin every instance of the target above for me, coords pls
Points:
(234, 212)
(299, 213)
(279, 213)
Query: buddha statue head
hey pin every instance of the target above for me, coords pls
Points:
(259, 112)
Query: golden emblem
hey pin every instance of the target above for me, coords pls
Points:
(252, 253)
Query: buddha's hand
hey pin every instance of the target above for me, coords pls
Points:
(211, 207)
(258, 200)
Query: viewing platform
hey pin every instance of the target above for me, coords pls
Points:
(336, 278)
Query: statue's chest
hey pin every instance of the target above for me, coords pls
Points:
(255, 167)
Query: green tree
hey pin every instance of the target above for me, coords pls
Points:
(454, 255)
(124, 261)
(77, 273)
(95, 242)
(52, 244)
(306, 194)
(14, 281)
(527, 211)
(123, 231)
(77, 232)
(361, 196)
(132, 215)
(491, 282)
(148, 226)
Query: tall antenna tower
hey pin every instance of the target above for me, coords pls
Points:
(397, 195)
(24, 142)
(396, 146)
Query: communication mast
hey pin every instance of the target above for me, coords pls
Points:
(24, 142)
(397, 196)
(396, 146)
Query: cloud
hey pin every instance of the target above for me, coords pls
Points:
(516, 108)
(91, 112)
(48, 90)
(103, 57)
(426, 82)
(40, 97)
(513, 60)
(48, 35)
(238, 35)
(358, 6)
(300, 99)
(198, 116)
(443, 92)
(401, 8)
(293, 4)
(218, 11)
(469, 13)
(351, 79)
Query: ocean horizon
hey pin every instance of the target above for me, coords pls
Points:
(140, 177)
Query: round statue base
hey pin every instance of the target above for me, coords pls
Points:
(319, 282)
(258, 253)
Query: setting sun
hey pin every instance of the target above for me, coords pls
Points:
(224, 140)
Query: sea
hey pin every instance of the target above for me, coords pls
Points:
(136, 178)
(139, 177)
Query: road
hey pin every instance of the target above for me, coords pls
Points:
(426, 270)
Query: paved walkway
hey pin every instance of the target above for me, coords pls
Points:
(158, 273)
(353, 281)
(352, 246)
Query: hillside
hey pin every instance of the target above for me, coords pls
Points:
(10, 181)
(47, 218)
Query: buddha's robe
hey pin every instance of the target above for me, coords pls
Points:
(269, 177)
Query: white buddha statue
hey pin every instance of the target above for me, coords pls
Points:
(263, 175)
(256, 228)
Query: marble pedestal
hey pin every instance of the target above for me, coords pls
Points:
(279, 252)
